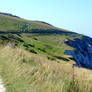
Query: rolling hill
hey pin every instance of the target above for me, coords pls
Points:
(35, 36)
(39, 57)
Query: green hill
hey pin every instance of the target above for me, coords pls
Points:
(32, 58)
(14, 24)
(35, 36)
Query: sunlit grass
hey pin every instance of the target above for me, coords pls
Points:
(25, 72)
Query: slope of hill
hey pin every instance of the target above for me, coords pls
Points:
(44, 60)
(36, 36)
(11, 24)
(22, 71)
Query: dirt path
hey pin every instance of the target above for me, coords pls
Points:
(2, 89)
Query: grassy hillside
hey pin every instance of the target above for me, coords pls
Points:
(8, 23)
(34, 59)
(13, 24)
(50, 46)
(25, 72)
(38, 37)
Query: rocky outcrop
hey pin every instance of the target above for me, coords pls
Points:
(83, 51)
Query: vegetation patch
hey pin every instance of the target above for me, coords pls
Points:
(25, 72)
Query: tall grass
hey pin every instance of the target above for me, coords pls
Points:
(25, 72)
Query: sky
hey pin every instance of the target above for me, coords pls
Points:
(74, 15)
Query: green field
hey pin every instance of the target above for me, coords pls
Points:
(39, 37)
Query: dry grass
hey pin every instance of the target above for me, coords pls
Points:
(25, 72)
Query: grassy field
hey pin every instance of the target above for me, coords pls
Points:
(44, 39)
(44, 45)
(22, 71)
(8, 23)
(13, 24)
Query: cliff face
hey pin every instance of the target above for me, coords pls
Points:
(83, 51)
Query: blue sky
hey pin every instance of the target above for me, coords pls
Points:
(74, 15)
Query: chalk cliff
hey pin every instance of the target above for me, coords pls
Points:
(83, 51)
